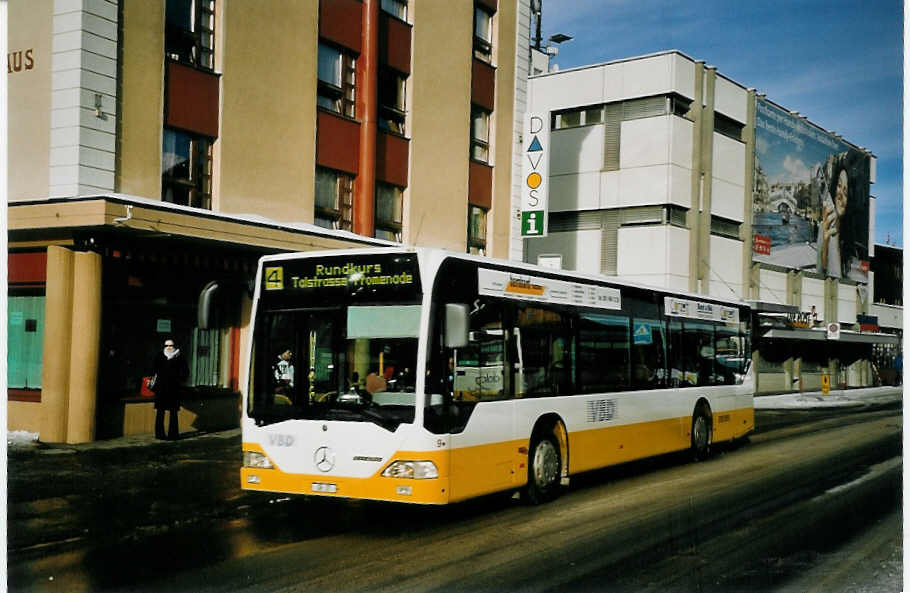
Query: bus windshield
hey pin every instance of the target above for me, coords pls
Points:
(351, 363)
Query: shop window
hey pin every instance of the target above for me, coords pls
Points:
(483, 34)
(389, 205)
(392, 105)
(396, 8)
(545, 353)
(480, 134)
(334, 198)
(189, 32)
(25, 340)
(603, 352)
(186, 169)
(336, 75)
(477, 230)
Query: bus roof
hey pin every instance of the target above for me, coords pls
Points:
(439, 255)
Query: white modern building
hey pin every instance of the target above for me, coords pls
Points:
(666, 172)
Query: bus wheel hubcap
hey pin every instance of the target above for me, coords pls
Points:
(546, 464)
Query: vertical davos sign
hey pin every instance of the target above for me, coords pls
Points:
(535, 175)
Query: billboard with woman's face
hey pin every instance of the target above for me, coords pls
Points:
(810, 201)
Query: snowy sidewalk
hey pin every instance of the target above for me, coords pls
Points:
(837, 398)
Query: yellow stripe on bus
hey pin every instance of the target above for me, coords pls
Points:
(472, 471)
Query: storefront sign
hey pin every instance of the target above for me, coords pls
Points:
(801, 320)
(834, 331)
(546, 290)
(20, 60)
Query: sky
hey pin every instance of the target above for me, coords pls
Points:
(837, 62)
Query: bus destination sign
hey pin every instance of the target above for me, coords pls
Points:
(360, 277)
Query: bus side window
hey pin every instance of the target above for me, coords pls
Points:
(728, 353)
(648, 354)
(675, 358)
(545, 353)
(603, 352)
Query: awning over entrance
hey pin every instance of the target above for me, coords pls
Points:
(820, 335)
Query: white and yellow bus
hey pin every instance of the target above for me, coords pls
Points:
(424, 376)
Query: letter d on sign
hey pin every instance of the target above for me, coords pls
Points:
(536, 124)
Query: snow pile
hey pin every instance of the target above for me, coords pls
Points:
(21, 438)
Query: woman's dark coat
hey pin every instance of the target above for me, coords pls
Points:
(170, 376)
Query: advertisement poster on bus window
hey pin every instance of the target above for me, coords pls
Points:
(810, 206)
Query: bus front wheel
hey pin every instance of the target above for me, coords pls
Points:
(544, 469)
(701, 434)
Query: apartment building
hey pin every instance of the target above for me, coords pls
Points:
(157, 149)
(664, 171)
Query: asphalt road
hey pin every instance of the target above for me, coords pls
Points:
(755, 517)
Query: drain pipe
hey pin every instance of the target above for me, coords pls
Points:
(129, 215)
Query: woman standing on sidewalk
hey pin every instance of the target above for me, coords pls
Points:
(171, 371)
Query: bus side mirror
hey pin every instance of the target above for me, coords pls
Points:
(456, 325)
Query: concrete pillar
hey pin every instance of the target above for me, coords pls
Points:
(707, 165)
(86, 337)
(55, 370)
(367, 105)
(693, 220)
(745, 229)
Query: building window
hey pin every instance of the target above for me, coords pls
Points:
(483, 34)
(337, 75)
(724, 227)
(480, 134)
(189, 32)
(186, 169)
(582, 116)
(389, 205)
(728, 127)
(680, 106)
(676, 215)
(392, 106)
(396, 8)
(334, 199)
(477, 230)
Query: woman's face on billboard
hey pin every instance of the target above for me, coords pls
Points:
(840, 193)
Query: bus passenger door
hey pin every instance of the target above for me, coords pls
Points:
(484, 451)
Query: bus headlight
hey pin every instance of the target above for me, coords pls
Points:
(258, 460)
(416, 470)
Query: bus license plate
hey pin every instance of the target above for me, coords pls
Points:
(322, 487)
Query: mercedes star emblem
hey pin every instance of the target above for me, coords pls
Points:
(324, 458)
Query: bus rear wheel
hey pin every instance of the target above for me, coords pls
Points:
(701, 434)
(544, 469)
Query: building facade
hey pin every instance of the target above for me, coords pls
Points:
(157, 149)
(666, 172)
